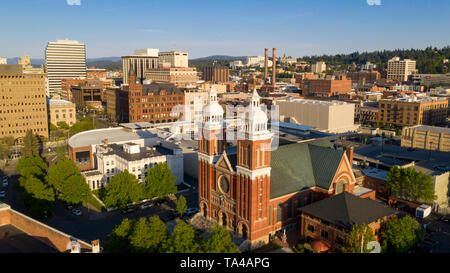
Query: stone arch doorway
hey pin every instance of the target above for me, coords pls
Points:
(243, 230)
(340, 187)
(204, 210)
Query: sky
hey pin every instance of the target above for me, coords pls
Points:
(215, 27)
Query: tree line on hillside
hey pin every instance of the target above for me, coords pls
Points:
(428, 60)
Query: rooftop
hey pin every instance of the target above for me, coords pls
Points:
(14, 240)
(433, 129)
(345, 210)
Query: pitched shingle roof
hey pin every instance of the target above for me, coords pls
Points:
(345, 210)
(303, 165)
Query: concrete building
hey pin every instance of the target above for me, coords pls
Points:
(216, 74)
(327, 116)
(23, 102)
(400, 69)
(3, 60)
(426, 137)
(412, 110)
(254, 61)
(179, 76)
(318, 67)
(64, 59)
(174, 58)
(363, 77)
(140, 62)
(61, 111)
(368, 66)
(102, 153)
(117, 104)
(87, 93)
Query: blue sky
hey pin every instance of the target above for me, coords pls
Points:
(213, 27)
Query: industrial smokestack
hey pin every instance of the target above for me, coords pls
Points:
(274, 66)
(266, 64)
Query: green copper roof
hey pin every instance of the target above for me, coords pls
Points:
(303, 165)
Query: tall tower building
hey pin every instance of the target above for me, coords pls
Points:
(140, 62)
(64, 59)
(400, 69)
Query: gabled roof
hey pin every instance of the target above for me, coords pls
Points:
(299, 166)
(345, 209)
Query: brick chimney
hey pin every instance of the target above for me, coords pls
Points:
(274, 66)
(349, 153)
(266, 62)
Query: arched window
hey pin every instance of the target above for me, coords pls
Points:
(340, 186)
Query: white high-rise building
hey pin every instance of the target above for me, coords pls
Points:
(64, 59)
(400, 69)
(318, 67)
(141, 61)
(174, 58)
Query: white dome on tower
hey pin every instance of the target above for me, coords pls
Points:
(255, 123)
(213, 112)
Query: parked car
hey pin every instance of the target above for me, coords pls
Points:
(77, 212)
(2, 193)
(147, 205)
(191, 211)
(128, 210)
(5, 182)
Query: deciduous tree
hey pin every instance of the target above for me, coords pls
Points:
(122, 189)
(181, 205)
(359, 234)
(400, 234)
(30, 144)
(220, 241)
(159, 181)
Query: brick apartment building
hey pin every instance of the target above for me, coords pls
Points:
(368, 114)
(364, 77)
(87, 93)
(327, 87)
(409, 111)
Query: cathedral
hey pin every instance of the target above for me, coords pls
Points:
(256, 190)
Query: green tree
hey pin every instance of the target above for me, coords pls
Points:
(159, 181)
(75, 190)
(59, 173)
(220, 241)
(183, 240)
(31, 166)
(400, 234)
(122, 189)
(118, 240)
(53, 127)
(360, 233)
(141, 237)
(159, 235)
(63, 125)
(61, 153)
(30, 144)
(410, 184)
(181, 205)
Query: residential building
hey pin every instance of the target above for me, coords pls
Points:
(254, 190)
(93, 73)
(216, 74)
(327, 116)
(23, 102)
(139, 62)
(368, 114)
(327, 224)
(174, 58)
(61, 111)
(64, 59)
(400, 69)
(117, 105)
(411, 110)
(368, 66)
(254, 61)
(431, 79)
(287, 61)
(426, 137)
(318, 67)
(179, 76)
(113, 159)
(22, 234)
(327, 87)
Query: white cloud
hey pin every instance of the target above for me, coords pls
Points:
(73, 2)
(374, 2)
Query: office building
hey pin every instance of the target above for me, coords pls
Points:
(327, 116)
(216, 74)
(23, 104)
(64, 59)
(174, 58)
(139, 62)
(400, 69)
(61, 111)
(363, 77)
(179, 76)
(411, 110)
(318, 67)
(87, 93)
(327, 87)
(426, 137)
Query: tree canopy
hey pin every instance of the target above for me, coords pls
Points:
(401, 234)
(181, 204)
(184, 240)
(75, 190)
(30, 144)
(356, 236)
(410, 184)
(59, 172)
(220, 241)
(159, 181)
(122, 189)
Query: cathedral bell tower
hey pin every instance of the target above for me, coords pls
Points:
(253, 172)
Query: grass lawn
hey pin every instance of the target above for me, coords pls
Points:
(93, 202)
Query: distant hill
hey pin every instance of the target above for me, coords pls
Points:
(224, 60)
